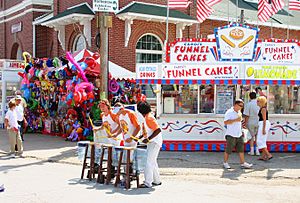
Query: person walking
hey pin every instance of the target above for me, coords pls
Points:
(233, 134)
(263, 129)
(251, 121)
(153, 138)
(20, 115)
(11, 124)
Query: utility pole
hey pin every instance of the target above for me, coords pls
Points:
(104, 55)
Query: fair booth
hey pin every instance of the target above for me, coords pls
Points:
(201, 78)
(9, 83)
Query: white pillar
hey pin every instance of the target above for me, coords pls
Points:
(61, 35)
(179, 28)
(87, 31)
(33, 41)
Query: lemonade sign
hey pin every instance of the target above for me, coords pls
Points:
(261, 72)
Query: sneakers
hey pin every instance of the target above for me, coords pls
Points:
(12, 156)
(246, 165)
(257, 153)
(226, 165)
(251, 153)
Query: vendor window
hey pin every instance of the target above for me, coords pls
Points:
(206, 99)
(284, 99)
(245, 90)
(180, 99)
(225, 96)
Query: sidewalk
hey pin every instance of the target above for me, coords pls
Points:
(207, 164)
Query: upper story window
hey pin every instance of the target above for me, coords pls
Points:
(149, 49)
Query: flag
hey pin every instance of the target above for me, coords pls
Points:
(294, 5)
(267, 8)
(179, 3)
(204, 9)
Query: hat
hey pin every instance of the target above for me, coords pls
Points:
(18, 97)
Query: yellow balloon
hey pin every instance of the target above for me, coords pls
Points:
(250, 71)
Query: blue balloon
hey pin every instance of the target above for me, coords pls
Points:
(73, 68)
(24, 87)
(70, 96)
(83, 65)
(27, 94)
(49, 63)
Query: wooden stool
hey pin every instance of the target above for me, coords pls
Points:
(92, 161)
(108, 169)
(128, 165)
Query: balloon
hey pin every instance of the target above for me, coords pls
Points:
(113, 86)
(31, 71)
(27, 58)
(77, 97)
(90, 62)
(143, 98)
(70, 96)
(88, 87)
(72, 60)
(24, 87)
(49, 63)
(55, 62)
(96, 55)
(27, 94)
(83, 65)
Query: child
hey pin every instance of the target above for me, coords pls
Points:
(11, 124)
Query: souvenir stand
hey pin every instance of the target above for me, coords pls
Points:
(9, 83)
(201, 78)
(62, 94)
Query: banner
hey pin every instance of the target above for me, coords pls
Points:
(267, 72)
(196, 51)
(279, 53)
(147, 71)
(200, 72)
(236, 43)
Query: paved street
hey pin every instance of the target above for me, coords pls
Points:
(50, 173)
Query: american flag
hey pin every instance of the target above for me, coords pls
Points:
(179, 3)
(267, 8)
(294, 5)
(204, 9)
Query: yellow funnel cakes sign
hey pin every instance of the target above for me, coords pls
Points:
(272, 72)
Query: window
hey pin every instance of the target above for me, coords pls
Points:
(226, 95)
(207, 98)
(79, 43)
(180, 99)
(149, 50)
(284, 99)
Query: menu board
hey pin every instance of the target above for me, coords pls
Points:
(224, 101)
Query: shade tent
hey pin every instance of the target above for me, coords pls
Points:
(118, 72)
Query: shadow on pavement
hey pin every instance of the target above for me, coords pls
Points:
(110, 189)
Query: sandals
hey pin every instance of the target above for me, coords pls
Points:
(265, 159)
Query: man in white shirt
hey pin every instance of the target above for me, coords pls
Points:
(233, 134)
(251, 121)
(20, 115)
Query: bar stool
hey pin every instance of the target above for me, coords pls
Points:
(128, 164)
(108, 169)
(91, 167)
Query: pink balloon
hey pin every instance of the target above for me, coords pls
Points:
(88, 87)
(31, 71)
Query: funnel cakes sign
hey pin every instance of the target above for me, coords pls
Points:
(236, 42)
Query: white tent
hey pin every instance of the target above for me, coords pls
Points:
(119, 72)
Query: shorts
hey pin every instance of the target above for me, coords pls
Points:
(253, 128)
(234, 142)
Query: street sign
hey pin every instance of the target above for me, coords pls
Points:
(106, 5)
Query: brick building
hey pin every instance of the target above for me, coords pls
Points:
(48, 28)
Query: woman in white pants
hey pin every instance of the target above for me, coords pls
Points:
(263, 129)
(153, 139)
